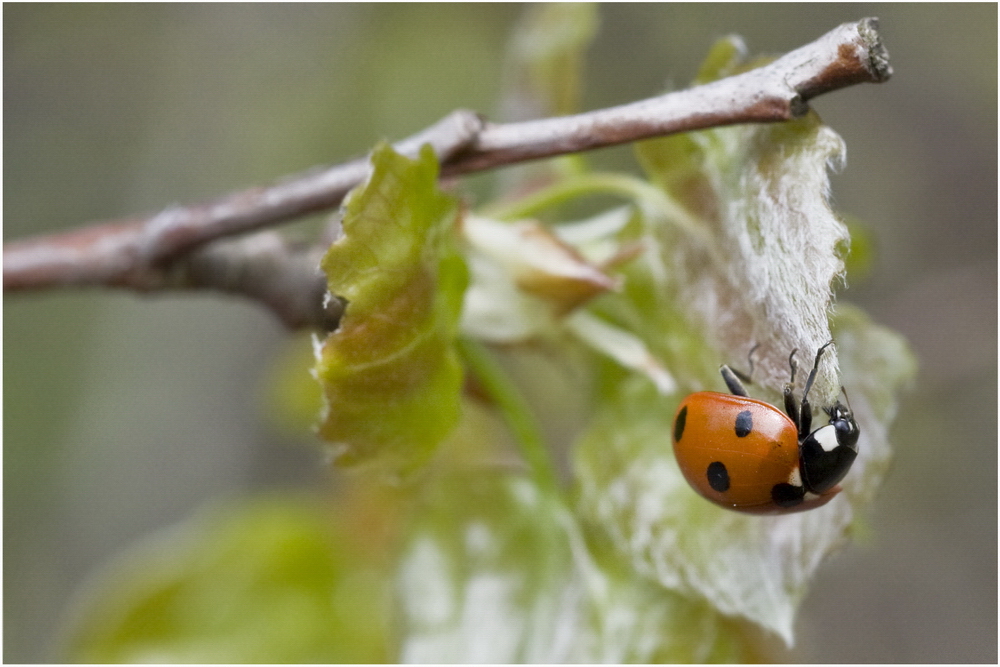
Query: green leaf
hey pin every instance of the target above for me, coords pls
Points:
(267, 581)
(524, 280)
(390, 374)
(723, 59)
(497, 571)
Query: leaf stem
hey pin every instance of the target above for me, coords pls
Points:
(515, 411)
(647, 196)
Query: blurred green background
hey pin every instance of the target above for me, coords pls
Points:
(123, 414)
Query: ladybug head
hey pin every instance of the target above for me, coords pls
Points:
(843, 422)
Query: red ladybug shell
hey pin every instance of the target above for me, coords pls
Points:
(734, 450)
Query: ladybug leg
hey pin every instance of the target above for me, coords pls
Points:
(805, 414)
(734, 380)
(791, 406)
(750, 362)
(805, 418)
(794, 365)
(812, 373)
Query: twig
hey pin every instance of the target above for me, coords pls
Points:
(113, 253)
(851, 53)
(264, 267)
(150, 253)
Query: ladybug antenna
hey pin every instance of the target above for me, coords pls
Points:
(812, 373)
(847, 398)
(793, 365)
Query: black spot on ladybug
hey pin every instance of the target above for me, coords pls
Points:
(786, 495)
(744, 424)
(718, 476)
(679, 423)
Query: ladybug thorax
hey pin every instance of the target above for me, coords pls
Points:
(827, 437)
(828, 452)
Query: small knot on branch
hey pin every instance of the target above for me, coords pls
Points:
(878, 55)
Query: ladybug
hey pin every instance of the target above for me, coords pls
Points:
(747, 455)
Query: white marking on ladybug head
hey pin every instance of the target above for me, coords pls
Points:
(826, 437)
(795, 478)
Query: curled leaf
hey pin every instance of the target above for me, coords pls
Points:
(390, 375)
(622, 346)
(769, 249)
